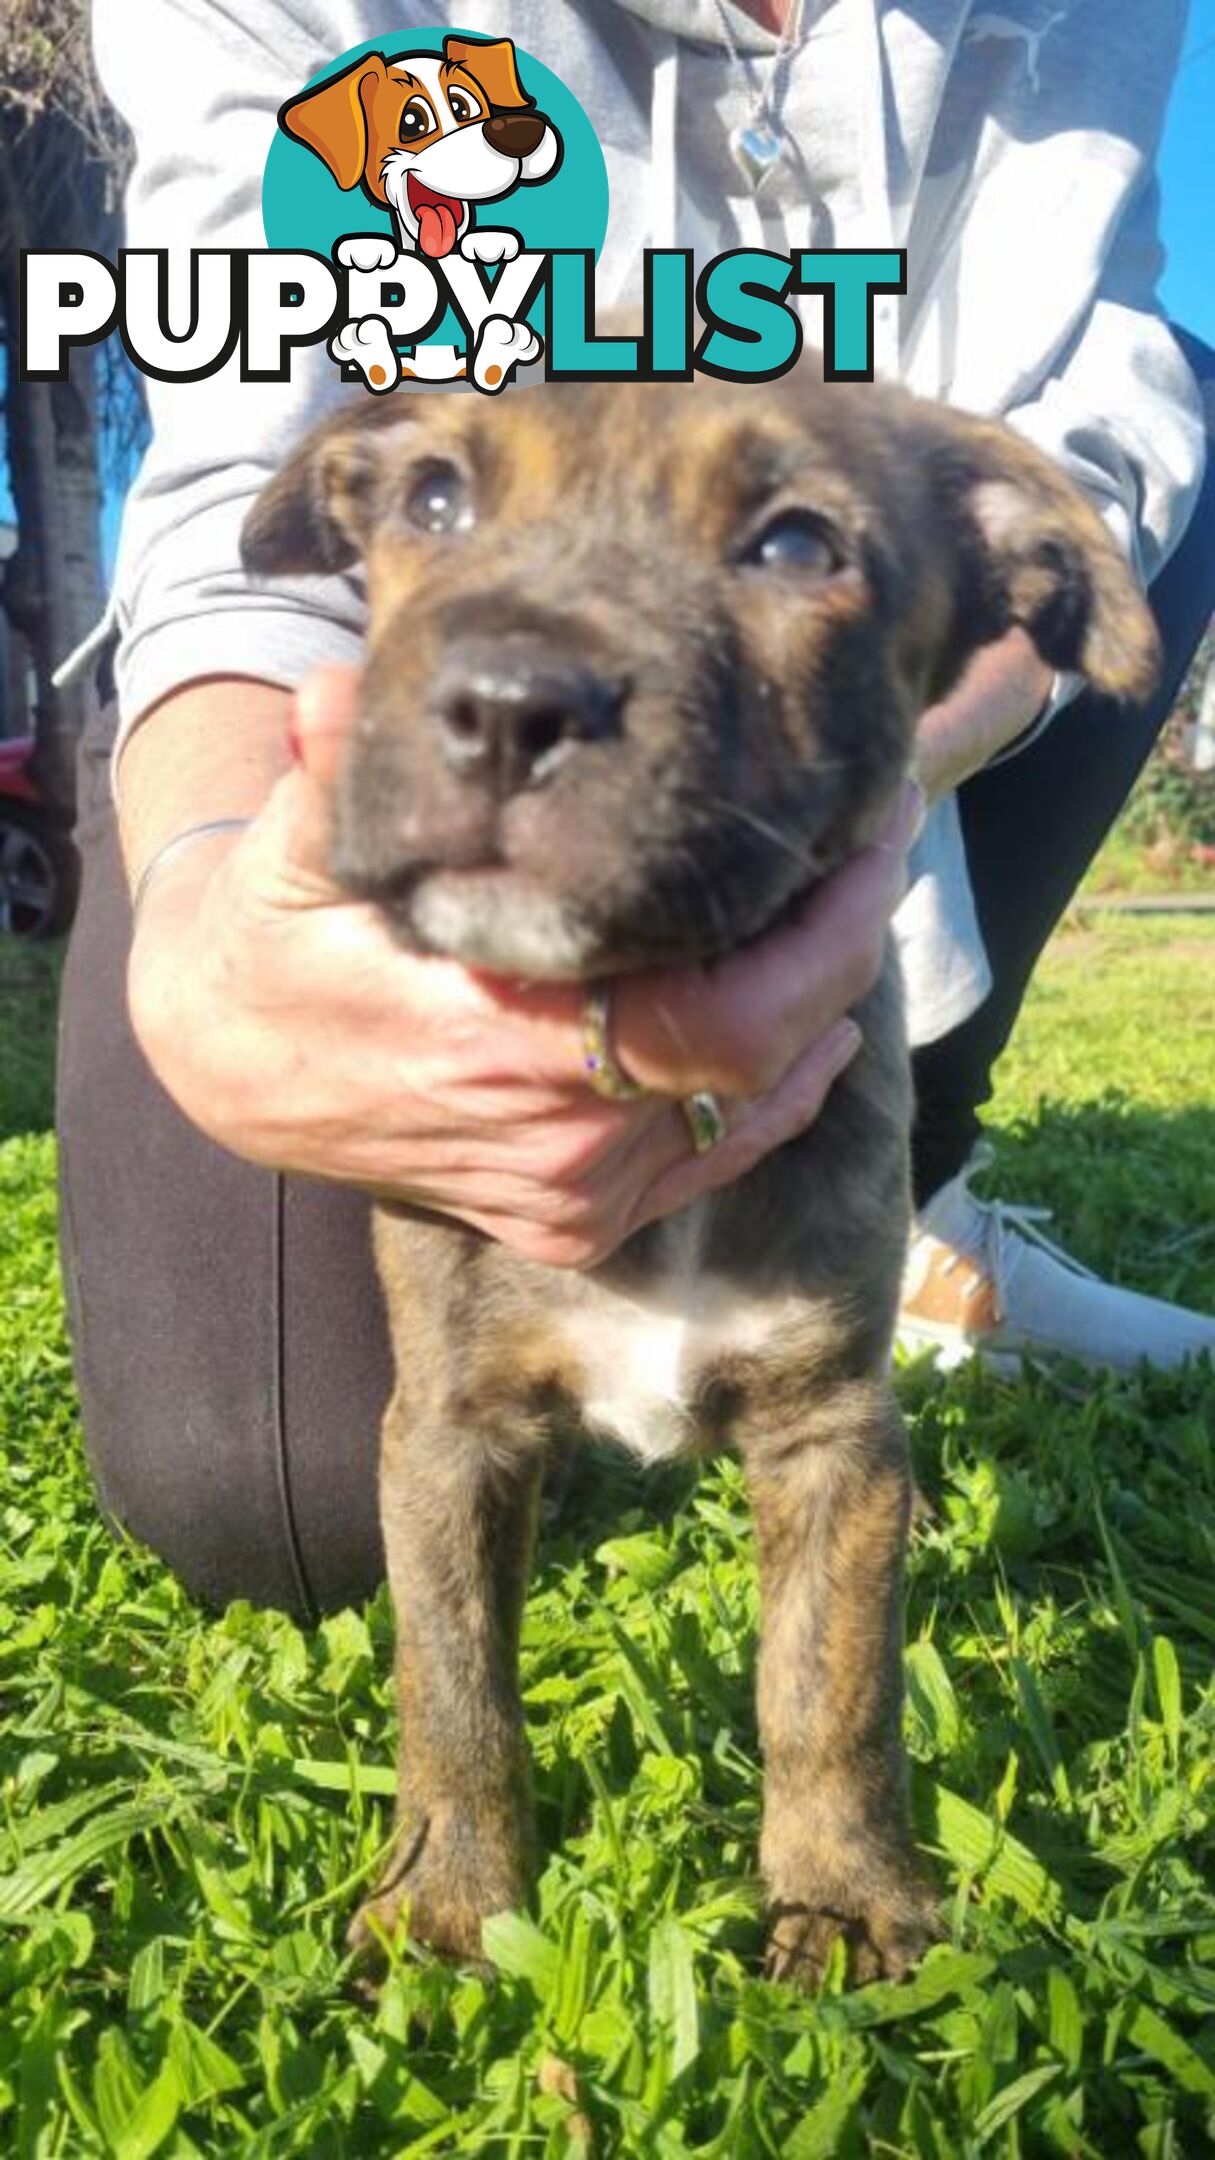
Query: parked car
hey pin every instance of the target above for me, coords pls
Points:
(39, 867)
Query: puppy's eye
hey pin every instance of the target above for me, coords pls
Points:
(440, 501)
(416, 120)
(797, 541)
(462, 107)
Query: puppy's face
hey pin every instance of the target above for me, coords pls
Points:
(645, 662)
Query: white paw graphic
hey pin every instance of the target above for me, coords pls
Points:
(503, 346)
(367, 346)
(490, 247)
(435, 363)
(366, 251)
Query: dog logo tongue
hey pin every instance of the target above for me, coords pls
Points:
(439, 218)
(436, 229)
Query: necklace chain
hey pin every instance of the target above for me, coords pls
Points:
(765, 103)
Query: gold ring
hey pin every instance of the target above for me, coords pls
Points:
(706, 1121)
(606, 1076)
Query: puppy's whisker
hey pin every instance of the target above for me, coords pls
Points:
(693, 903)
(804, 856)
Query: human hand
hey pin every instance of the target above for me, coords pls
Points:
(289, 1026)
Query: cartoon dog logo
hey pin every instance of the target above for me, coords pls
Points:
(430, 136)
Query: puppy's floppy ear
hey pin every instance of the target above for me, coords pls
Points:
(331, 119)
(493, 65)
(317, 514)
(1034, 552)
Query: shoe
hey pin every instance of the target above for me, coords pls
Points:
(982, 1279)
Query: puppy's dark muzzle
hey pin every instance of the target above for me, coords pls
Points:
(511, 714)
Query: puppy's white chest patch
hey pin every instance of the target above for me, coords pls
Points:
(640, 1362)
(636, 1387)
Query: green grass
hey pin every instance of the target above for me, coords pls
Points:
(188, 1805)
(1164, 840)
(29, 988)
(1127, 866)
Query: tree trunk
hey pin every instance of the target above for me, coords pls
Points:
(53, 587)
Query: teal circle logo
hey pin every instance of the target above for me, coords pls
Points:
(441, 143)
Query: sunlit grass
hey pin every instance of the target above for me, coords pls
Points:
(188, 1803)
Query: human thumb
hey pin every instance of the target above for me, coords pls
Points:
(296, 825)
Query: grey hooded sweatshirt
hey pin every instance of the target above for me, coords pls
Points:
(1009, 149)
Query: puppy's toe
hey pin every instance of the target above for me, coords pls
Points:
(883, 1939)
(399, 1914)
(446, 1878)
(372, 1931)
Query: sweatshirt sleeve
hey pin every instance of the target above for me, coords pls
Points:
(200, 90)
(1122, 412)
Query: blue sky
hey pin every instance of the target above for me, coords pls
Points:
(1187, 171)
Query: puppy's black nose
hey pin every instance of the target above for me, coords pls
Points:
(515, 134)
(510, 717)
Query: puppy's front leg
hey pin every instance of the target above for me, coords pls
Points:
(831, 1512)
(458, 1506)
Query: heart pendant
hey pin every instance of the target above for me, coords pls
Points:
(757, 150)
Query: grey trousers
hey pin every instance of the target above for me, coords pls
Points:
(229, 1338)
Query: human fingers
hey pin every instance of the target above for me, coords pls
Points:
(739, 1026)
(755, 1129)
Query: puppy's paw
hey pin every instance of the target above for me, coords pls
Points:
(450, 1930)
(446, 1878)
(367, 346)
(504, 345)
(490, 247)
(366, 251)
(885, 1932)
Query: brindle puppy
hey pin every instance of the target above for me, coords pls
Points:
(644, 663)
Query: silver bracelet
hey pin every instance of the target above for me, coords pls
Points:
(177, 846)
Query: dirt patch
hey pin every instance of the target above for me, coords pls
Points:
(1080, 942)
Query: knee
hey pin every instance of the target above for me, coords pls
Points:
(224, 1537)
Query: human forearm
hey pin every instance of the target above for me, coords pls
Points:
(211, 750)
